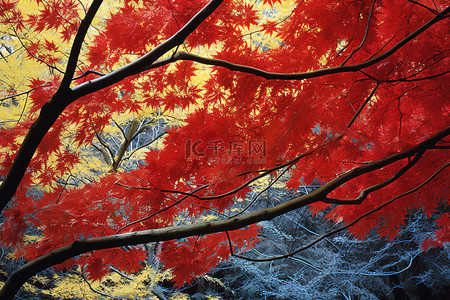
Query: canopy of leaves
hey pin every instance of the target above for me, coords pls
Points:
(353, 94)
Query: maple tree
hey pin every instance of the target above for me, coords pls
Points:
(351, 94)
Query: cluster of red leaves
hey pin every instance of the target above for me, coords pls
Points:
(238, 111)
(61, 15)
(184, 259)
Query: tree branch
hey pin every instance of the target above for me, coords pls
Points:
(346, 226)
(51, 110)
(145, 145)
(94, 290)
(148, 59)
(262, 191)
(434, 11)
(17, 95)
(365, 192)
(78, 43)
(21, 275)
(299, 76)
(363, 105)
(105, 146)
(365, 34)
(161, 210)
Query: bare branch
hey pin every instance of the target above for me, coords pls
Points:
(17, 95)
(121, 130)
(145, 145)
(105, 153)
(94, 290)
(365, 192)
(105, 146)
(262, 191)
(88, 73)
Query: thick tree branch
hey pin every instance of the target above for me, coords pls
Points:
(48, 115)
(365, 192)
(78, 43)
(141, 64)
(105, 154)
(20, 276)
(64, 96)
(343, 227)
(305, 75)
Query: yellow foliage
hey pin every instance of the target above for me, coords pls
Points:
(118, 286)
(207, 218)
(114, 285)
(180, 296)
(29, 288)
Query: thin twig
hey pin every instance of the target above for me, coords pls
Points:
(262, 191)
(363, 105)
(365, 34)
(365, 192)
(160, 211)
(434, 11)
(97, 135)
(94, 290)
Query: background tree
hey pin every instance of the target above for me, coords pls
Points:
(350, 94)
(338, 267)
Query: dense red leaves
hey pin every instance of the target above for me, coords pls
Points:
(195, 256)
(10, 15)
(61, 15)
(442, 234)
(237, 123)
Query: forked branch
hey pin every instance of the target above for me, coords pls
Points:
(65, 95)
(21, 275)
(304, 75)
(343, 227)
